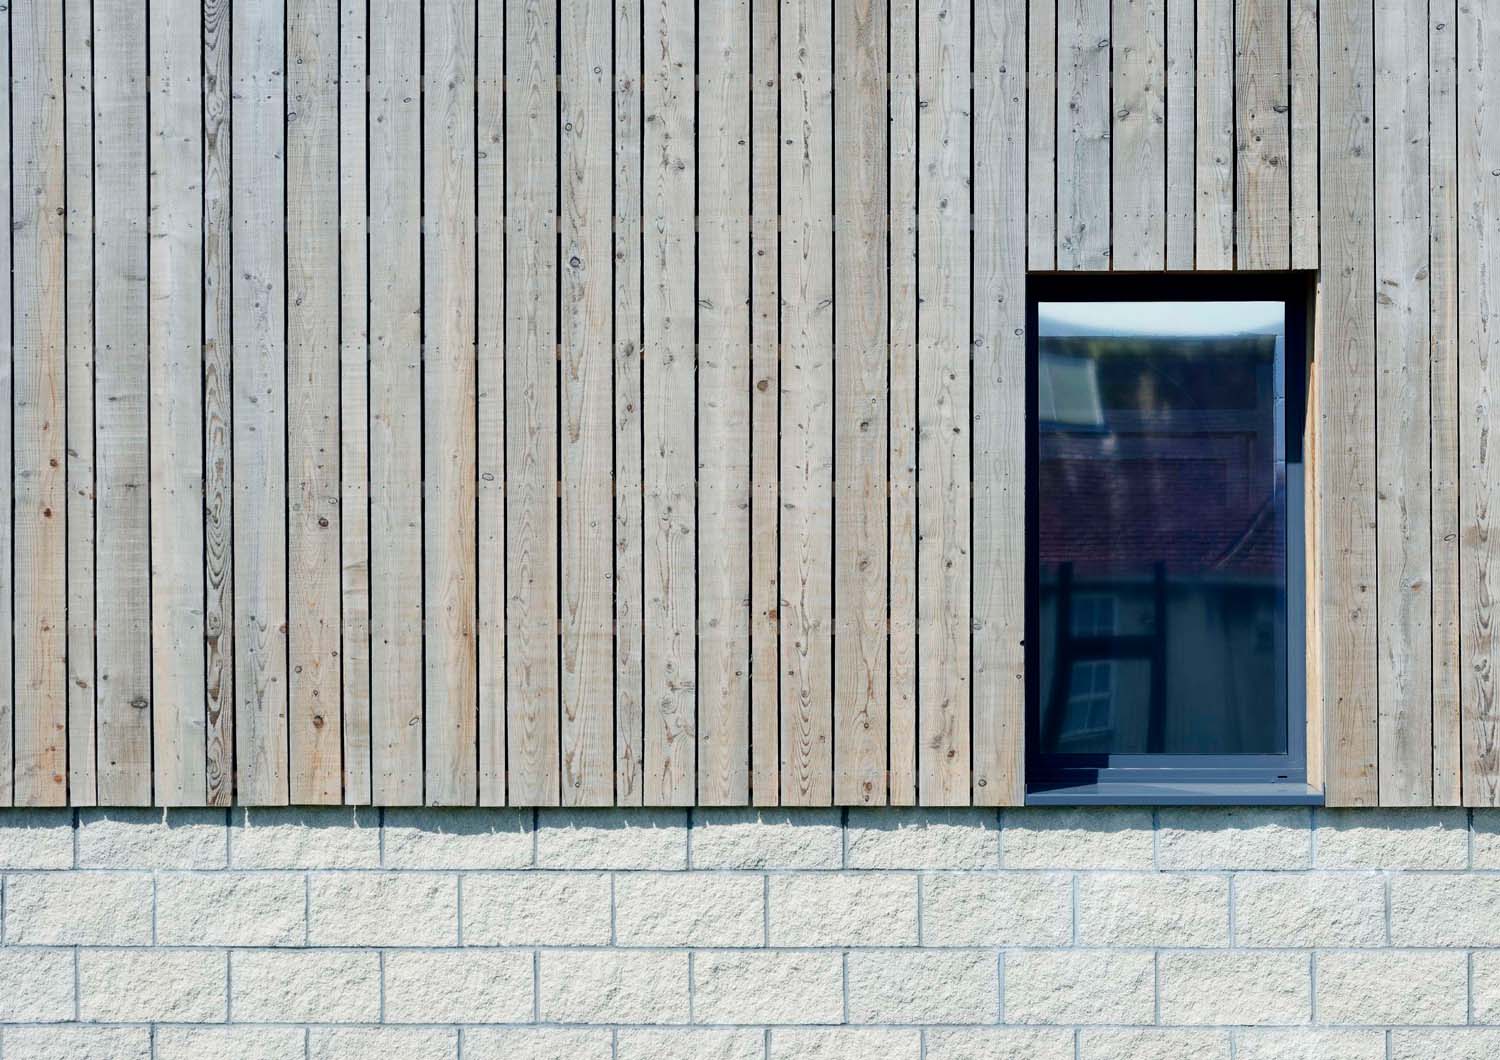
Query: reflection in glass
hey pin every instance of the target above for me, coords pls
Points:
(1161, 486)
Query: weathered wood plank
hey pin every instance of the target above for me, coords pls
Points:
(1041, 130)
(765, 401)
(218, 455)
(1262, 221)
(1182, 161)
(531, 425)
(7, 466)
(587, 418)
(1083, 134)
(1479, 392)
(1313, 591)
(806, 404)
(1214, 111)
(1346, 415)
(1445, 206)
(667, 377)
(1304, 133)
(628, 530)
(395, 129)
(999, 403)
(860, 658)
(724, 402)
(490, 322)
(1403, 417)
(176, 229)
(78, 31)
(1139, 136)
(39, 370)
(450, 440)
(354, 397)
(123, 594)
(944, 387)
(259, 279)
(902, 458)
(315, 718)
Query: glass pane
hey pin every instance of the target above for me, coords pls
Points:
(1161, 486)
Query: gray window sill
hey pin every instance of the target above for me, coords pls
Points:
(1162, 793)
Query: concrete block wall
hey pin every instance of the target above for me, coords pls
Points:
(1202, 934)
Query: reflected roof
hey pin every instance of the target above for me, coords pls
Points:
(1157, 427)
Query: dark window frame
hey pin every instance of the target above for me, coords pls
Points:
(1166, 779)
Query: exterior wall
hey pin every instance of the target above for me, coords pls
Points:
(1037, 934)
(372, 438)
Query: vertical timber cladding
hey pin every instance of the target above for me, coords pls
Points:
(38, 726)
(622, 402)
(1478, 358)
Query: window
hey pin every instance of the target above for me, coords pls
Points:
(1165, 569)
(1091, 682)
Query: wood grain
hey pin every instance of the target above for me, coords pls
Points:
(395, 129)
(39, 371)
(765, 401)
(1304, 133)
(260, 421)
(1041, 130)
(1214, 111)
(490, 318)
(1317, 709)
(1262, 221)
(314, 509)
(860, 654)
(902, 457)
(1182, 142)
(78, 60)
(1479, 393)
(176, 388)
(999, 403)
(531, 426)
(7, 462)
(723, 756)
(450, 406)
(1346, 417)
(1443, 273)
(807, 412)
(944, 553)
(669, 504)
(630, 628)
(1139, 137)
(1083, 134)
(1403, 414)
(218, 399)
(354, 398)
(123, 594)
(587, 418)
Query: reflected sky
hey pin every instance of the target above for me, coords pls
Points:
(1177, 319)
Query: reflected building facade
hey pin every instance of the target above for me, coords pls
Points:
(1161, 484)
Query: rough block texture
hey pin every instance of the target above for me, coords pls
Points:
(1108, 934)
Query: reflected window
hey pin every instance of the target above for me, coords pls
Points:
(1089, 712)
(1165, 528)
